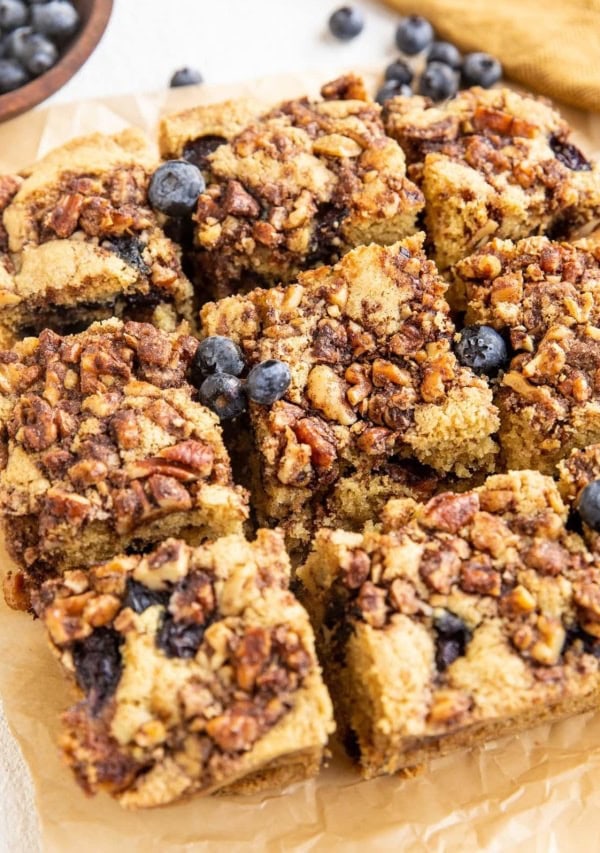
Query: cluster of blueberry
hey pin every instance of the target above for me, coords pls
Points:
(33, 33)
(216, 371)
(445, 71)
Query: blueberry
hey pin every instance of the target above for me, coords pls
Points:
(39, 54)
(140, 597)
(130, 250)
(399, 71)
(480, 69)
(588, 505)
(390, 89)
(438, 82)
(12, 75)
(443, 51)
(268, 381)
(224, 394)
(569, 155)
(13, 13)
(175, 187)
(58, 19)
(179, 639)
(346, 23)
(185, 77)
(218, 354)
(98, 665)
(16, 43)
(414, 34)
(452, 639)
(482, 349)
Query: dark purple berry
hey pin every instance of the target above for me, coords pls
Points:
(12, 75)
(16, 43)
(482, 349)
(588, 505)
(57, 19)
(346, 23)
(175, 187)
(185, 77)
(224, 394)
(452, 639)
(438, 82)
(218, 354)
(480, 69)
(414, 34)
(198, 150)
(98, 665)
(391, 89)
(444, 51)
(13, 14)
(39, 54)
(268, 381)
(140, 597)
(569, 155)
(399, 71)
(179, 639)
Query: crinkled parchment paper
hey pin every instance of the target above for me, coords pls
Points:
(536, 792)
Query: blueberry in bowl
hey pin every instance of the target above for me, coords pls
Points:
(42, 45)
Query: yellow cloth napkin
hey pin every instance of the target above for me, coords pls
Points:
(549, 46)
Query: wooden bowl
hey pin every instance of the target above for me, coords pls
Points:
(94, 18)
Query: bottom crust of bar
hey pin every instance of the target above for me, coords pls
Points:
(408, 755)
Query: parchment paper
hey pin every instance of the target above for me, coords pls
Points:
(536, 792)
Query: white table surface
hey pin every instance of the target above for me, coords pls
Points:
(227, 40)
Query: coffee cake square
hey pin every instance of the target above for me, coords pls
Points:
(544, 297)
(85, 244)
(105, 447)
(454, 622)
(196, 669)
(493, 163)
(374, 380)
(300, 186)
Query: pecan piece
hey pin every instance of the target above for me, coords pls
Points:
(36, 420)
(169, 494)
(236, 729)
(480, 578)
(193, 599)
(237, 201)
(126, 429)
(315, 433)
(450, 512)
(371, 602)
(195, 455)
(356, 568)
(250, 655)
(65, 215)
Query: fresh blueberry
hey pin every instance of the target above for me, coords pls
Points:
(268, 381)
(175, 187)
(57, 19)
(589, 505)
(346, 23)
(438, 82)
(414, 34)
(224, 394)
(16, 43)
(482, 349)
(480, 69)
(185, 77)
(39, 54)
(13, 13)
(399, 71)
(444, 51)
(218, 354)
(390, 89)
(12, 75)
